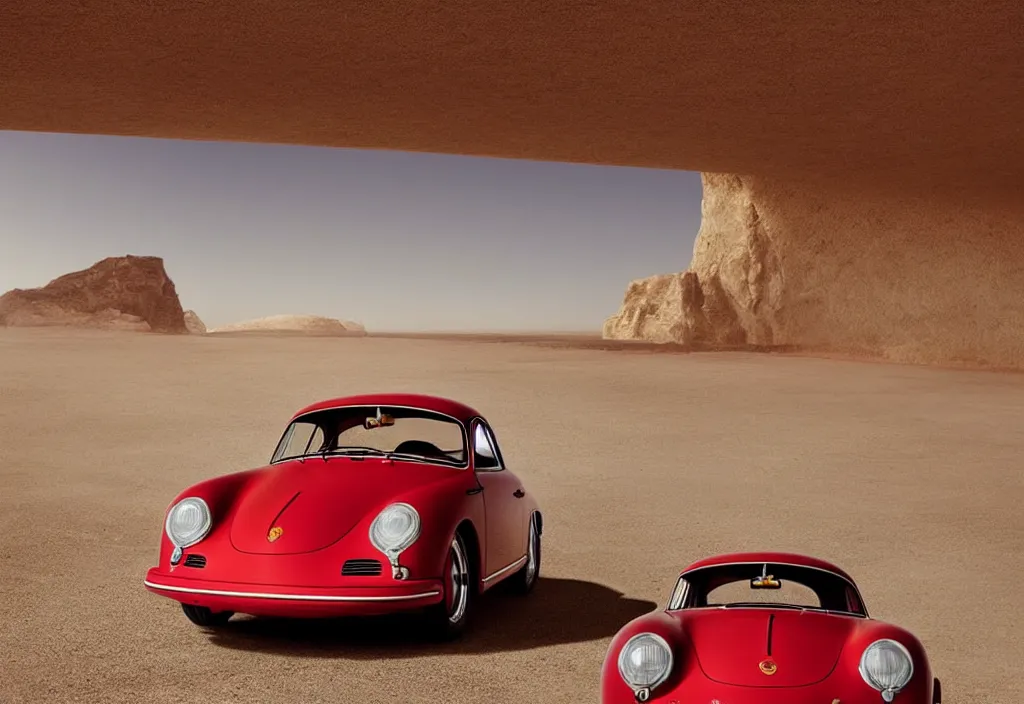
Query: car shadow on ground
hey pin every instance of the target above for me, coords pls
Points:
(559, 611)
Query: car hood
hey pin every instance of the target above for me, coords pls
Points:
(315, 503)
(731, 643)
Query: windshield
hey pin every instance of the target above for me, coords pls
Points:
(770, 585)
(404, 433)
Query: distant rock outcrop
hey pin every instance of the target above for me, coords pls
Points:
(120, 293)
(193, 324)
(663, 308)
(296, 325)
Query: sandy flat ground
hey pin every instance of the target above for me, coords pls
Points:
(910, 478)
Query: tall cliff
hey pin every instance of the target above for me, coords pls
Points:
(911, 278)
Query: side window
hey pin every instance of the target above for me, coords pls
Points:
(485, 457)
(678, 597)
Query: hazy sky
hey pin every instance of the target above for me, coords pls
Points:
(394, 240)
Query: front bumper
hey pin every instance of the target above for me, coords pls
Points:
(702, 691)
(294, 601)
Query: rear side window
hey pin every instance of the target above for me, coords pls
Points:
(485, 453)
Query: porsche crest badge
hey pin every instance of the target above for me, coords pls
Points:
(768, 667)
(274, 534)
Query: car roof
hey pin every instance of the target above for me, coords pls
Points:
(436, 404)
(787, 558)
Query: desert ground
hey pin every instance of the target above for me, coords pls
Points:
(908, 477)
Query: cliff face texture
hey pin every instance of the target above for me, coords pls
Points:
(906, 92)
(124, 293)
(777, 263)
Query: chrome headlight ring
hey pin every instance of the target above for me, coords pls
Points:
(886, 665)
(188, 522)
(645, 662)
(393, 531)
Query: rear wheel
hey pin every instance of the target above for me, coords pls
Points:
(202, 616)
(523, 581)
(449, 619)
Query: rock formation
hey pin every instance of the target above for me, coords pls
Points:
(663, 308)
(194, 324)
(851, 272)
(883, 134)
(123, 293)
(297, 325)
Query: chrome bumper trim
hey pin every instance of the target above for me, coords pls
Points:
(290, 597)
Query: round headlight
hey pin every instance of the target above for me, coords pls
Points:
(188, 522)
(645, 661)
(395, 529)
(887, 666)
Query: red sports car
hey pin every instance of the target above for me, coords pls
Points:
(370, 504)
(765, 628)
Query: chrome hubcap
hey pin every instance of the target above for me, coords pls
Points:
(458, 583)
(531, 552)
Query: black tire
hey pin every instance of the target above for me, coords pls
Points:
(449, 619)
(523, 581)
(202, 616)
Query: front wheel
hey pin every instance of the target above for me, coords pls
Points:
(202, 616)
(449, 619)
(523, 581)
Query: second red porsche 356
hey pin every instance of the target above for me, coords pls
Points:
(370, 504)
(809, 642)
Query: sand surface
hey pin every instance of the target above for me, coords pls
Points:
(910, 478)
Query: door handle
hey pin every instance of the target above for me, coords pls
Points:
(519, 493)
